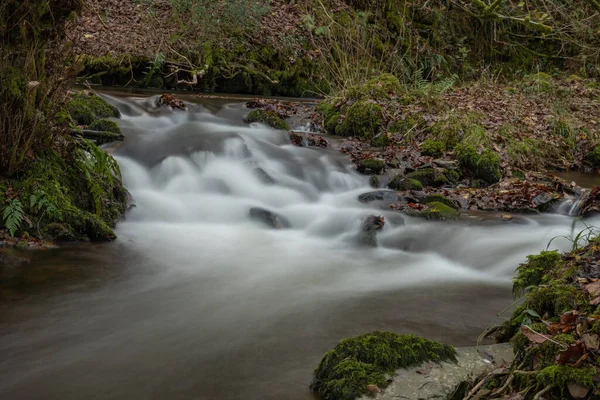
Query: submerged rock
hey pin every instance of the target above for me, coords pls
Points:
(269, 218)
(446, 380)
(263, 176)
(368, 230)
(302, 139)
(381, 195)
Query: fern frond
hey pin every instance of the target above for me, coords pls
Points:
(13, 216)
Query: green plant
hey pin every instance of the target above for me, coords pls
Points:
(433, 148)
(13, 216)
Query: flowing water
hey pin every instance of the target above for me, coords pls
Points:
(197, 301)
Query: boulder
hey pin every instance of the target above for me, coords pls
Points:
(269, 218)
(378, 195)
(368, 230)
(302, 139)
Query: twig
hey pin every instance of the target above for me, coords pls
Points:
(542, 392)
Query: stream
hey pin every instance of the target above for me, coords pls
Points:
(195, 300)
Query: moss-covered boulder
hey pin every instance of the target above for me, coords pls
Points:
(400, 182)
(105, 125)
(74, 197)
(345, 372)
(593, 157)
(371, 166)
(267, 117)
(433, 148)
(434, 211)
(440, 198)
(484, 165)
(363, 119)
(429, 177)
(86, 107)
(380, 87)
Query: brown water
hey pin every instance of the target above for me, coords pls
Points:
(195, 301)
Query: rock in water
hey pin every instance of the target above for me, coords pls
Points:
(386, 195)
(368, 230)
(170, 100)
(269, 218)
(302, 139)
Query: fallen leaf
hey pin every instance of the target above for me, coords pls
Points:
(593, 289)
(573, 352)
(578, 391)
(533, 336)
(591, 341)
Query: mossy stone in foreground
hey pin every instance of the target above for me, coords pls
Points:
(345, 371)
(269, 118)
(363, 119)
(532, 272)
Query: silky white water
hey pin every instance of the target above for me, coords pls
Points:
(214, 305)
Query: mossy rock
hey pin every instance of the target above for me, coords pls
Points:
(85, 108)
(332, 122)
(429, 177)
(433, 148)
(80, 197)
(435, 211)
(484, 165)
(267, 117)
(105, 125)
(400, 182)
(371, 166)
(440, 198)
(374, 181)
(345, 372)
(593, 157)
(381, 87)
(363, 119)
(533, 271)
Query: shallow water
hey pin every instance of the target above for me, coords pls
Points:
(196, 301)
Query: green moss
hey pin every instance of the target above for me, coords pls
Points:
(455, 127)
(332, 122)
(561, 375)
(345, 371)
(85, 108)
(555, 298)
(83, 194)
(399, 182)
(403, 126)
(381, 87)
(363, 119)
(269, 118)
(533, 271)
(452, 175)
(538, 83)
(433, 148)
(435, 211)
(429, 177)
(440, 198)
(371, 165)
(485, 166)
(105, 125)
(593, 157)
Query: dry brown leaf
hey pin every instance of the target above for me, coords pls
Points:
(533, 336)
